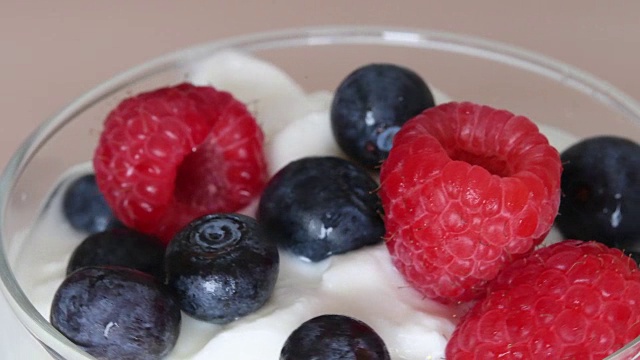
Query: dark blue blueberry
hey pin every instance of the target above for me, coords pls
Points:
(370, 106)
(116, 313)
(120, 247)
(334, 337)
(319, 206)
(85, 207)
(221, 267)
(601, 192)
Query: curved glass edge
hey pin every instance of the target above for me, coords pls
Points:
(631, 351)
(310, 36)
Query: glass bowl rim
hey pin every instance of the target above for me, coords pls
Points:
(445, 41)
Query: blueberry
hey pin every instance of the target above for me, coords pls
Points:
(601, 192)
(85, 207)
(116, 313)
(221, 267)
(334, 337)
(370, 106)
(319, 206)
(119, 247)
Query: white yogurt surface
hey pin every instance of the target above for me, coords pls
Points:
(362, 284)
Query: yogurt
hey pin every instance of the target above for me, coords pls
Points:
(362, 284)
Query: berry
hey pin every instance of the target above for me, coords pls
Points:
(601, 192)
(334, 337)
(116, 313)
(168, 156)
(466, 189)
(571, 300)
(315, 207)
(370, 106)
(119, 247)
(85, 208)
(221, 267)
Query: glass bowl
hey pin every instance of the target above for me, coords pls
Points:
(463, 67)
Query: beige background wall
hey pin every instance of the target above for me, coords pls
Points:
(54, 50)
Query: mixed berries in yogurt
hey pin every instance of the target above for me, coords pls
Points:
(314, 254)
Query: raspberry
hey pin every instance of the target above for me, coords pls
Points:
(570, 300)
(466, 189)
(168, 156)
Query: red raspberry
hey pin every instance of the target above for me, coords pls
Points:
(168, 156)
(571, 300)
(465, 190)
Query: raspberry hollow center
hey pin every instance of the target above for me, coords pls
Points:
(198, 182)
(495, 164)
